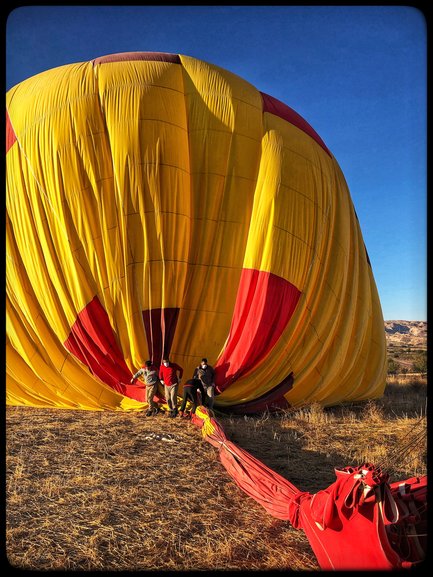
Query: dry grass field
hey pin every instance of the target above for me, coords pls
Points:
(112, 491)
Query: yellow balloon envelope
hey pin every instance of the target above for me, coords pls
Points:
(158, 205)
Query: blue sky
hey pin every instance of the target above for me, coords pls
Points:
(357, 74)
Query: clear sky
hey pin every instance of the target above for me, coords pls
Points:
(357, 74)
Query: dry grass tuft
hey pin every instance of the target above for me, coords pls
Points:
(94, 491)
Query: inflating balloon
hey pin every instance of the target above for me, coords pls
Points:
(158, 205)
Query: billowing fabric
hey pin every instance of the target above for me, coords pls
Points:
(159, 205)
(360, 522)
(278, 496)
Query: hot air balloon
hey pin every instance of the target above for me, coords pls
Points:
(161, 205)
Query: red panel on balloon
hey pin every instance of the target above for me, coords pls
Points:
(131, 56)
(278, 108)
(160, 326)
(264, 305)
(92, 340)
(10, 134)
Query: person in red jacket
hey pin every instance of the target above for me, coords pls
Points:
(170, 375)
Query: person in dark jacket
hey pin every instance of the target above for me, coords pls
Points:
(190, 389)
(206, 374)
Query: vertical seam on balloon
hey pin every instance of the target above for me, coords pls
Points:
(183, 92)
(162, 321)
(151, 348)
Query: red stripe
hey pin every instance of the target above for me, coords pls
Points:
(130, 56)
(160, 326)
(93, 342)
(278, 108)
(264, 305)
(10, 134)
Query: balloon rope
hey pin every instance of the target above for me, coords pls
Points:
(403, 450)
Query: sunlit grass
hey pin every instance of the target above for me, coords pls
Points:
(90, 491)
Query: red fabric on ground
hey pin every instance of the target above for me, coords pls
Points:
(342, 533)
(360, 522)
(277, 495)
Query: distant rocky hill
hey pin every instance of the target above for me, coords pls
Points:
(406, 333)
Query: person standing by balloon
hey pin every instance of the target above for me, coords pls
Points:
(170, 375)
(206, 374)
(149, 373)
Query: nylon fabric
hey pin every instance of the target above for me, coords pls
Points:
(278, 496)
(359, 522)
(204, 216)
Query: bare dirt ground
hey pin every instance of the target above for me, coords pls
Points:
(111, 491)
